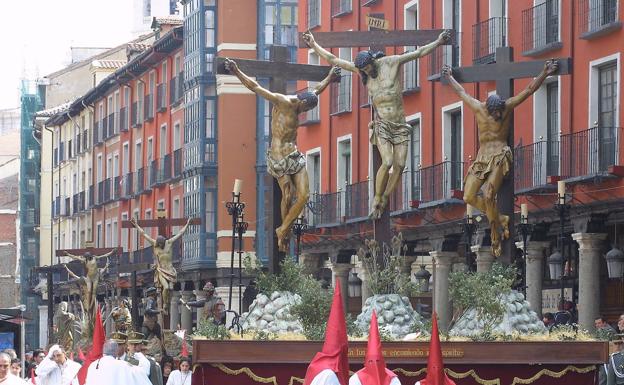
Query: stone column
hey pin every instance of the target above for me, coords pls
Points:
(199, 295)
(443, 261)
(590, 246)
(363, 275)
(534, 273)
(485, 258)
(341, 272)
(174, 310)
(186, 314)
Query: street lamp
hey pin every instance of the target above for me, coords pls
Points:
(524, 229)
(469, 227)
(561, 207)
(235, 210)
(422, 278)
(299, 227)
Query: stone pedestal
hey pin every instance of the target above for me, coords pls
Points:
(485, 258)
(174, 310)
(443, 261)
(590, 247)
(43, 325)
(186, 314)
(341, 271)
(534, 273)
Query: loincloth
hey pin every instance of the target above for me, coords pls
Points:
(484, 164)
(385, 130)
(289, 165)
(170, 275)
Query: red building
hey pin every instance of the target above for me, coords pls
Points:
(568, 130)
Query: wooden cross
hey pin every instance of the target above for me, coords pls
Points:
(377, 40)
(88, 249)
(278, 70)
(504, 72)
(164, 225)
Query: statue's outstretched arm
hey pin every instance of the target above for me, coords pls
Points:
(325, 54)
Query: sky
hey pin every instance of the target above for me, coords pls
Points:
(37, 36)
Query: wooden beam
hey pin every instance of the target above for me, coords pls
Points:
(511, 70)
(268, 69)
(93, 250)
(374, 38)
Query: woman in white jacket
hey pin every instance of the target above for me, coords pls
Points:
(182, 376)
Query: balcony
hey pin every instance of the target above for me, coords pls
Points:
(177, 164)
(314, 13)
(444, 55)
(356, 200)
(152, 175)
(104, 128)
(82, 201)
(326, 209)
(136, 115)
(126, 186)
(437, 184)
(536, 167)
(138, 185)
(597, 18)
(123, 119)
(113, 125)
(341, 7)
(161, 97)
(368, 3)
(341, 95)
(97, 134)
(401, 198)
(540, 28)
(487, 36)
(149, 107)
(591, 153)
(56, 207)
(75, 204)
(91, 200)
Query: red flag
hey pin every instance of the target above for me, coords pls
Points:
(435, 365)
(96, 348)
(184, 352)
(335, 353)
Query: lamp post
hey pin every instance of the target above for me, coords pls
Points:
(561, 207)
(235, 209)
(469, 227)
(299, 227)
(240, 227)
(524, 229)
(615, 260)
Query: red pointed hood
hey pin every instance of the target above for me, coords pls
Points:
(96, 348)
(334, 355)
(435, 365)
(374, 371)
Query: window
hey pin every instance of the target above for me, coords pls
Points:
(314, 172)
(410, 69)
(176, 136)
(138, 156)
(162, 139)
(415, 159)
(125, 159)
(314, 114)
(98, 234)
(452, 150)
(607, 110)
(341, 92)
(597, 17)
(150, 150)
(114, 234)
(552, 127)
(314, 13)
(175, 212)
(124, 233)
(99, 168)
(456, 150)
(344, 163)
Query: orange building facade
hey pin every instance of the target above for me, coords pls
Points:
(569, 130)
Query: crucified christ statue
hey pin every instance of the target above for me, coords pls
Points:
(91, 278)
(390, 132)
(284, 162)
(494, 157)
(165, 275)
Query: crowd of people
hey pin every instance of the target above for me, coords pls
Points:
(123, 362)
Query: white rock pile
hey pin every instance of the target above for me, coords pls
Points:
(518, 318)
(272, 314)
(395, 315)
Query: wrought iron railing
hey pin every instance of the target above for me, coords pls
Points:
(113, 125)
(356, 200)
(97, 134)
(137, 115)
(367, 3)
(177, 163)
(91, 197)
(116, 188)
(487, 36)
(67, 207)
(595, 15)
(326, 208)
(445, 55)
(341, 7)
(534, 163)
(126, 186)
(540, 26)
(123, 119)
(438, 182)
(401, 198)
(590, 152)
